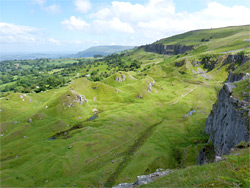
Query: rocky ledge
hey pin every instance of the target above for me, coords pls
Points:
(229, 122)
(167, 49)
(144, 179)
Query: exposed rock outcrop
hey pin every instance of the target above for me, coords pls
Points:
(81, 99)
(121, 78)
(144, 179)
(209, 63)
(228, 122)
(236, 77)
(167, 49)
(151, 84)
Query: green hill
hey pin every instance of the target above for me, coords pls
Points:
(127, 114)
(102, 50)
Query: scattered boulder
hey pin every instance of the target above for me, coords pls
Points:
(30, 120)
(80, 99)
(196, 63)
(139, 96)
(218, 158)
(118, 79)
(190, 113)
(15, 122)
(144, 179)
(70, 147)
(125, 185)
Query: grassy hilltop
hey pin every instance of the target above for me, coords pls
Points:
(135, 119)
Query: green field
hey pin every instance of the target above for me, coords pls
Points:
(126, 128)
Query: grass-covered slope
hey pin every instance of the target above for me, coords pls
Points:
(213, 40)
(125, 127)
(233, 171)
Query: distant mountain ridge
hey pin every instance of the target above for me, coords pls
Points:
(26, 56)
(90, 52)
(102, 50)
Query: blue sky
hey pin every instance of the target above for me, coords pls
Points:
(74, 25)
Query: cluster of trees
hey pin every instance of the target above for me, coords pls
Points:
(38, 75)
(115, 62)
(33, 75)
(30, 84)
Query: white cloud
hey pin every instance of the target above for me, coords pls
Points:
(10, 33)
(218, 15)
(75, 23)
(115, 24)
(39, 2)
(158, 18)
(54, 41)
(82, 5)
(53, 8)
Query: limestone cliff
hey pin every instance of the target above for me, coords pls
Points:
(228, 122)
(167, 49)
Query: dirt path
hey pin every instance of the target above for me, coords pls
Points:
(144, 65)
(183, 95)
(234, 50)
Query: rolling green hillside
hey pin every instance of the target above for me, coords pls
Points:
(102, 50)
(131, 121)
(213, 40)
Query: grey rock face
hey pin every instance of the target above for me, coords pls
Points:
(81, 99)
(124, 185)
(168, 50)
(228, 122)
(236, 77)
(202, 159)
(208, 63)
(145, 179)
